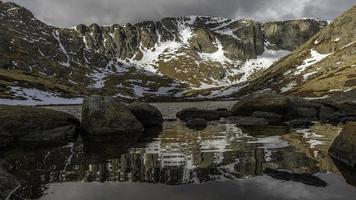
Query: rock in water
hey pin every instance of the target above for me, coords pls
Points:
(147, 114)
(344, 146)
(35, 126)
(289, 107)
(102, 115)
(247, 121)
(270, 117)
(194, 113)
(269, 103)
(198, 123)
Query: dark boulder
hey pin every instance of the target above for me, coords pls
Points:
(334, 112)
(344, 146)
(288, 107)
(326, 113)
(34, 126)
(193, 113)
(198, 123)
(223, 112)
(267, 103)
(147, 114)
(103, 116)
(272, 118)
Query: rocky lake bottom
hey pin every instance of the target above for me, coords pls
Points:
(223, 161)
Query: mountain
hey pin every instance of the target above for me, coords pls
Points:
(323, 67)
(166, 58)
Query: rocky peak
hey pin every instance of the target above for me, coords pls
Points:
(145, 58)
(322, 67)
(12, 9)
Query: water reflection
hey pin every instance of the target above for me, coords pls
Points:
(174, 156)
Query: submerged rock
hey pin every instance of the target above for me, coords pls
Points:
(223, 112)
(305, 178)
(248, 121)
(268, 130)
(102, 116)
(270, 117)
(193, 113)
(34, 126)
(297, 123)
(198, 123)
(344, 146)
(147, 114)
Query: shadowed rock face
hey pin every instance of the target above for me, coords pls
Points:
(118, 59)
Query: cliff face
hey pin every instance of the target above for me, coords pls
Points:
(164, 57)
(323, 67)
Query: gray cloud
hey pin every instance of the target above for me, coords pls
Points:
(67, 13)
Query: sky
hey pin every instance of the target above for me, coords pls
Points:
(67, 13)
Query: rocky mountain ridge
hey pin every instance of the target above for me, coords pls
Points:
(145, 60)
(322, 68)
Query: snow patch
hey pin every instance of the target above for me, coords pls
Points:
(61, 47)
(217, 56)
(262, 62)
(37, 97)
(315, 58)
(288, 87)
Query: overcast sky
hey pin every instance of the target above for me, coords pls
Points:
(66, 13)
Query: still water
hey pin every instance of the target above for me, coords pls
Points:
(223, 161)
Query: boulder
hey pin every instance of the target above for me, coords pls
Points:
(147, 114)
(289, 107)
(193, 113)
(198, 123)
(344, 146)
(35, 126)
(103, 116)
(267, 103)
(272, 118)
(247, 121)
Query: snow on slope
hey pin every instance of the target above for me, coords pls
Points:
(38, 97)
(263, 61)
(315, 58)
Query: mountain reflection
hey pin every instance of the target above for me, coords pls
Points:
(177, 155)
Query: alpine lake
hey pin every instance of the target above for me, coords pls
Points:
(223, 161)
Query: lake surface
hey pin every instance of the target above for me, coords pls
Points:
(223, 161)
